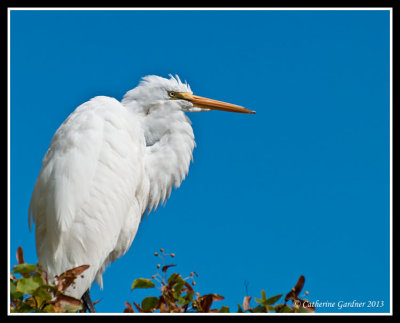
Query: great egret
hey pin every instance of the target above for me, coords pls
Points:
(107, 164)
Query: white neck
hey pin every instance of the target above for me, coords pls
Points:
(170, 143)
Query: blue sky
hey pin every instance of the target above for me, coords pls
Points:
(300, 188)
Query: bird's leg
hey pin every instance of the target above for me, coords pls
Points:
(87, 303)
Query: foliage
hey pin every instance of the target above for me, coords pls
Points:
(32, 292)
(179, 296)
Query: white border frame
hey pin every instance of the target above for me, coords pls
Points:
(205, 9)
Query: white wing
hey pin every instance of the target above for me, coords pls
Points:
(91, 191)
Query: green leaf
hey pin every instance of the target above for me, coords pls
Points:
(38, 279)
(270, 308)
(50, 308)
(224, 309)
(263, 296)
(13, 285)
(259, 309)
(49, 288)
(273, 299)
(302, 309)
(171, 279)
(149, 303)
(177, 286)
(27, 285)
(24, 308)
(43, 293)
(185, 299)
(24, 269)
(269, 301)
(283, 309)
(72, 308)
(240, 310)
(13, 290)
(142, 283)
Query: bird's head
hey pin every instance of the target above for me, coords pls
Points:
(155, 92)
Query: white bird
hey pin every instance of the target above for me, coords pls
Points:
(107, 164)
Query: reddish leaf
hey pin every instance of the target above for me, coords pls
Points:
(162, 308)
(296, 289)
(94, 303)
(165, 268)
(217, 297)
(206, 302)
(20, 256)
(129, 308)
(68, 299)
(68, 277)
(299, 285)
(44, 275)
(190, 288)
(74, 271)
(59, 284)
(141, 310)
(246, 303)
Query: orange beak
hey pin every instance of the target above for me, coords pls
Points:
(206, 103)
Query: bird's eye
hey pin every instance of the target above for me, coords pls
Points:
(171, 94)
